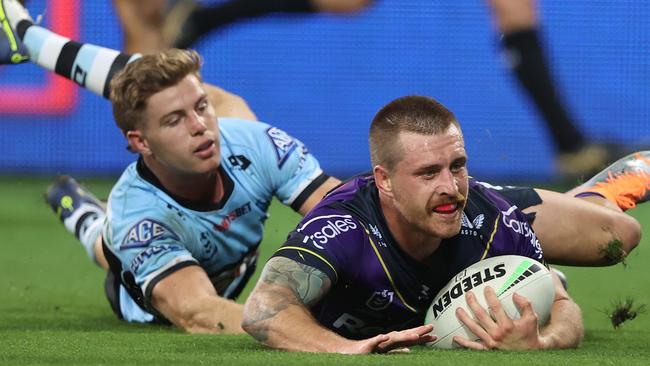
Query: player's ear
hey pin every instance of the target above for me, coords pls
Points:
(137, 142)
(382, 180)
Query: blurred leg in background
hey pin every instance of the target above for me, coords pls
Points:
(142, 23)
(188, 21)
(518, 22)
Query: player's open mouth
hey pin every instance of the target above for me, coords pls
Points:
(446, 208)
(205, 150)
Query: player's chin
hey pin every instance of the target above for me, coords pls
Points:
(447, 225)
(207, 165)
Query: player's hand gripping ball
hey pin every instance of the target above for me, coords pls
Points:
(506, 275)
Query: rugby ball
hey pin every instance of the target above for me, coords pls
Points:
(506, 275)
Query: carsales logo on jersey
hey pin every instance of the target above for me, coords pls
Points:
(334, 225)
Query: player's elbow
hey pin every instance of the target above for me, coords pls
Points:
(255, 319)
(249, 317)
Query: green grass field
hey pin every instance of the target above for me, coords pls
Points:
(53, 311)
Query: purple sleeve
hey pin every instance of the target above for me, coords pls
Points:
(327, 240)
(514, 233)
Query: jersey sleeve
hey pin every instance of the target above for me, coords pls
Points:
(328, 241)
(294, 172)
(514, 233)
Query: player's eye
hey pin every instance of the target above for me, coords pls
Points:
(172, 122)
(428, 174)
(458, 166)
(202, 106)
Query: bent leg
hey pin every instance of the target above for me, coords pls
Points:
(574, 231)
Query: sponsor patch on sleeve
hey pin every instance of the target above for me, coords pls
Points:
(144, 232)
(283, 143)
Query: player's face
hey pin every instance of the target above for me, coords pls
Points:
(430, 182)
(181, 128)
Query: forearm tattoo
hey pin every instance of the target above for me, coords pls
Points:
(306, 284)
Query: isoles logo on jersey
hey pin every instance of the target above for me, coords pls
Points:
(330, 227)
(146, 231)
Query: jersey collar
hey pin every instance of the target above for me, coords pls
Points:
(228, 186)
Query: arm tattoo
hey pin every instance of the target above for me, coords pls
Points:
(307, 285)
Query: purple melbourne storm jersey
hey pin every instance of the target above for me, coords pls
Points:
(376, 287)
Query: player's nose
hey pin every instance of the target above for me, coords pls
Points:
(196, 123)
(447, 183)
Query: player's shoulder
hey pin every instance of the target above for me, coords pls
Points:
(486, 195)
(134, 202)
(130, 189)
(266, 140)
(235, 129)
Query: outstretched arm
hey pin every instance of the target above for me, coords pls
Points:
(276, 314)
(188, 299)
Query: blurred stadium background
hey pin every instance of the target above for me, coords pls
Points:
(322, 78)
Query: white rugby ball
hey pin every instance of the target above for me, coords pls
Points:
(506, 275)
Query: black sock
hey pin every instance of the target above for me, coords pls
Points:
(204, 20)
(529, 64)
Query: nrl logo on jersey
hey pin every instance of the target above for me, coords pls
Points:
(146, 231)
(380, 300)
(283, 143)
(471, 227)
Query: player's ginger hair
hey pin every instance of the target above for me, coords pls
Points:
(132, 87)
(412, 113)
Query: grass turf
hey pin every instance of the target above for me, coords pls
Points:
(53, 311)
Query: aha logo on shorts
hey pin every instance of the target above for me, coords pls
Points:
(283, 143)
(146, 231)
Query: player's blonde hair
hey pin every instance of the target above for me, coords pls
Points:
(412, 113)
(139, 80)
